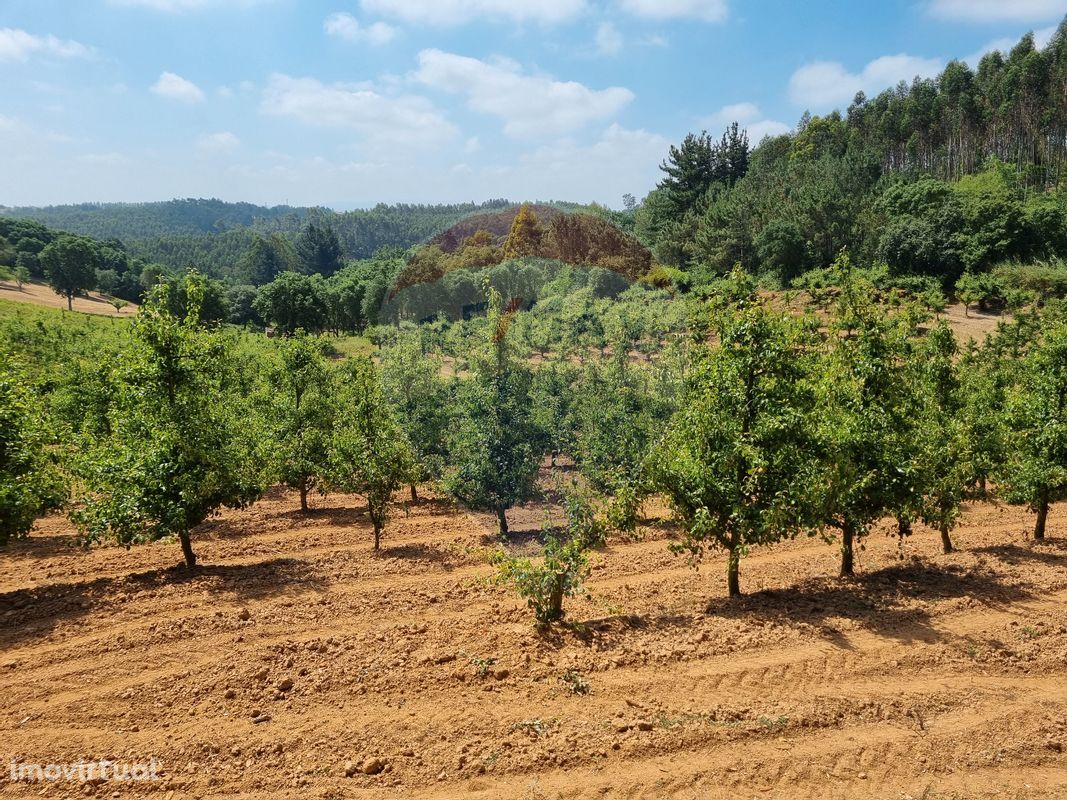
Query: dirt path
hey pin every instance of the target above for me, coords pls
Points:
(929, 676)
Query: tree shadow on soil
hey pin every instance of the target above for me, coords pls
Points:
(42, 546)
(419, 551)
(895, 602)
(1050, 552)
(38, 610)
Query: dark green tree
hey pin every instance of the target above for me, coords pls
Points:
(293, 301)
(70, 264)
(318, 250)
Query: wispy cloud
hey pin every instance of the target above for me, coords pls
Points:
(175, 87)
(18, 45)
(530, 105)
(706, 10)
(459, 12)
(984, 11)
(824, 84)
(609, 40)
(406, 118)
(344, 26)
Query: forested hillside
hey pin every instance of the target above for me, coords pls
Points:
(958, 173)
(129, 221)
(213, 235)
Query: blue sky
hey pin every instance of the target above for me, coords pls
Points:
(349, 103)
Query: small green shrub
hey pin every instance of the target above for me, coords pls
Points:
(543, 585)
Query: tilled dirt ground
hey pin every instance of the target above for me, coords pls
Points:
(295, 661)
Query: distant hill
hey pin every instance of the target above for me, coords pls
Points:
(580, 238)
(129, 221)
(497, 224)
(213, 235)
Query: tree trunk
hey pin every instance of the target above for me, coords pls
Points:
(377, 537)
(70, 302)
(502, 518)
(304, 495)
(903, 527)
(555, 600)
(414, 494)
(733, 574)
(1042, 515)
(848, 536)
(187, 549)
(946, 540)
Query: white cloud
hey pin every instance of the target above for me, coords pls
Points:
(707, 10)
(459, 12)
(998, 10)
(18, 45)
(608, 39)
(620, 161)
(345, 26)
(357, 106)
(472, 145)
(530, 105)
(175, 87)
(221, 142)
(749, 117)
(824, 84)
(1041, 38)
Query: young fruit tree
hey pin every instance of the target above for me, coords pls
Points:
(737, 459)
(418, 396)
(177, 447)
(302, 413)
(864, 413)
(943, 441)
(29, 481)
(564, 564)
(1035, 471)
(369, 453)
(492, 450)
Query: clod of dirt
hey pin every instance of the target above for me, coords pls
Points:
(372, 766)
(285, 685)
(244, 615)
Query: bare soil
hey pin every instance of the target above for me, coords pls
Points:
(40, 295)
(296, 657)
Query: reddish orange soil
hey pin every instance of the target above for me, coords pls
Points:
(929, 676)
